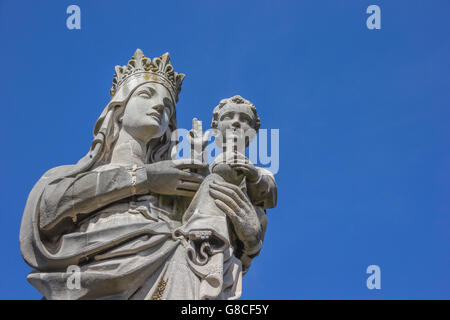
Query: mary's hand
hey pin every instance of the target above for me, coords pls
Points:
(236, 205)
(170, 177)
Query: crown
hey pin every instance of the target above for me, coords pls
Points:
(159, 70)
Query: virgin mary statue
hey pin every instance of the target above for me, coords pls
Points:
(111, 226)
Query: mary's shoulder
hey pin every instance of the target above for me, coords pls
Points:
(57, 171)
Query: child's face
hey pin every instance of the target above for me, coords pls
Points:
(235, 121)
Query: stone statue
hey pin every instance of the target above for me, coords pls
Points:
(132, 223)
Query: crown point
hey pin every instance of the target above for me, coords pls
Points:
(160, 68)
(166, 57)
(138, 54)
(179, 78)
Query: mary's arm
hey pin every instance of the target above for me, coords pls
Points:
(72, 198)
(68, 199)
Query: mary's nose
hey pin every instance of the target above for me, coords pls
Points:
(159, 108)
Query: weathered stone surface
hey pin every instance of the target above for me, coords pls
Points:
(129, 222)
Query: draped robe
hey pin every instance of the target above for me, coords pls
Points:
(126, 242)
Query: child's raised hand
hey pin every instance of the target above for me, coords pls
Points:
(248, 169)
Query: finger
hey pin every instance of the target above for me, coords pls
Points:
(185, 193)
(206, 136)
(236, 189)
(188, 185)
(226, 209)
(180, 162)
(191, 164)
(246, 170)
(230, 193)
(235, 162)
(225, 198)
(236, 158)
(191, 176)
(205, 139)
(238, 164)
(195, 124)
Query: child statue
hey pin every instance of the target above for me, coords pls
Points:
(235, 123)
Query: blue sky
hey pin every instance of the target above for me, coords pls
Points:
(363, 116)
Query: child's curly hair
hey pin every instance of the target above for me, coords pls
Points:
(237, 100)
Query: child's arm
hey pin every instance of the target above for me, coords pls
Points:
(263, 192)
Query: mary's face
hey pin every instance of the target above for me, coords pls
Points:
(148, 112)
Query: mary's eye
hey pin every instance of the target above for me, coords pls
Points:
(144, 94)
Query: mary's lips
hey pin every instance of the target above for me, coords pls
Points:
(155, 115)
